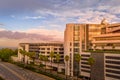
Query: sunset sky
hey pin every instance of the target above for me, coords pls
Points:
(45, 20)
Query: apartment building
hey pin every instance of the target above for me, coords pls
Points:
(77, 38)
(42, 48)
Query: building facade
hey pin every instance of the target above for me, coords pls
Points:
(106, 66)
(77, 38)
(43, 49)
(106, 53)
(109, 39)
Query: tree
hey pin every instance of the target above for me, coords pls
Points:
(24, 53)
(77, 59)
(66, 59)
(91, 61)
(6, 53)
(15, 51)
(45, 59)
(52, 56)
(32, 55)
(57, 56)
(41, 59)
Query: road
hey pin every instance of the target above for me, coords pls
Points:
(12, 72)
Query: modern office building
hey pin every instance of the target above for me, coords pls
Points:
(81, 37)
(77, 38)
(42, 48)
(106, 53)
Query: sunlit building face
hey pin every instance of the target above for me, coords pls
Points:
(77, 38)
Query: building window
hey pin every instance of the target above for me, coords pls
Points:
(76, 28)
(48, 48)
(42, 52)
(55, 52)
(48, 52)
(109, 44)
(76, 38)
(42, 48)
(76, 44)
(61, 48)
(55, 48)
(70, 49)
(61, 52)
(76, 49)
(70, 44)
(76, 33)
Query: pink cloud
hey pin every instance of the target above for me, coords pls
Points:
(12, 38)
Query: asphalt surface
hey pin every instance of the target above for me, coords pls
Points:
(12, 72)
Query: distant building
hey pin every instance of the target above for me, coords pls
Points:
(42, 48)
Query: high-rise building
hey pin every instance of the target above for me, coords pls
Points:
(106, 53)
(77, 38)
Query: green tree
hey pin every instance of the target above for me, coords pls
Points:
(32, 56)
(91, 61)
(15, 51)
(6, 53)
(77, 59)
(24, 53)
(45, 59)
(52, 56)
(57, 56)
(41, 59)
(67, 59)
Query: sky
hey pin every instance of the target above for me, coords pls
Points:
(45, 20)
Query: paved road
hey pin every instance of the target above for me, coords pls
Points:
(11, 72)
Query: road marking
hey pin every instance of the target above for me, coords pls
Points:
(13, 72)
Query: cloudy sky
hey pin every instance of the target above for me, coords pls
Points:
(45, 20)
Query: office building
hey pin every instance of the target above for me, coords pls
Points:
(77, 38)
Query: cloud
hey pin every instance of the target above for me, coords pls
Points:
(33, 17)
(2, 29)
(54, 33)
(29, 6)
(22, 35)
(13, 16)
(1, 24)
(88, 15)
(32, 35)
(6, 42)
(52, 15)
